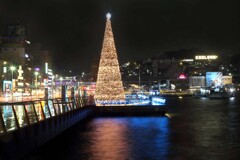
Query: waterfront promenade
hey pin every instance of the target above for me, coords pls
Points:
(24, 126)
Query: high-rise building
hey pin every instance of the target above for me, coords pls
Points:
(13, 44)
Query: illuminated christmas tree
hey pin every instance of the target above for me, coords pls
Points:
(109, 87)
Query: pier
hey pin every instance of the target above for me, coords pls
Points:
(25, 126)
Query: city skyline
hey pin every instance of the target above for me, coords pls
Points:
(73, 30)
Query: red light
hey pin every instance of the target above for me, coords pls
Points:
(182, 76)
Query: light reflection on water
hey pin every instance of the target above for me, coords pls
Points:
(122, 138)
(197, 129)
(205, 129)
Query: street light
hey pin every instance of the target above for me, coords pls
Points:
(36, 75)
(139, 76)
(12, 68)
(59, 91)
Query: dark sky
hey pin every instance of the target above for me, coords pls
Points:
(73, 29)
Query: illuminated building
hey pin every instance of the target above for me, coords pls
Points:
(17, 51)
(109, 87)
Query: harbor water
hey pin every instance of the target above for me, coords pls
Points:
(194, 128)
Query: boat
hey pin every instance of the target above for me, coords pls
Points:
(215, 93)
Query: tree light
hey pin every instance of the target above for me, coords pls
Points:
(108, 15)
(109, 86)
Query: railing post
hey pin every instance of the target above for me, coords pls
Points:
(15, 116)
(73, 103)
(26, 114)
(69, 103)
(55, 111)
(48, 107)
(59, 109)
(76, 102)
(2, 121)
(80, 102)
(44, 117)
(65, 104)
(35, 112)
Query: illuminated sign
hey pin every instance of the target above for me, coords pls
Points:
(7, 86)
(206, 57)
(46, 68)
(4, 69)
(227, 80)
(187, 60)
(182, 76)
(158, 101)
(20, 72)
(214, 79)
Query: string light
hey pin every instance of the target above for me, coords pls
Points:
(109, 86)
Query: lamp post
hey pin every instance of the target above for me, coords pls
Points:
(12, 68)
(60, 89)
(139, 77)
(81, 84)
(36, 75)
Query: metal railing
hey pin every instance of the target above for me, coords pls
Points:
(16, 115)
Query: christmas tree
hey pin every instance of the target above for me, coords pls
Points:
(109, 87)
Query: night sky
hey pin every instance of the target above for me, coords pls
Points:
(73, 29)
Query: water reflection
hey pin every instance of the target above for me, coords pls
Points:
(123, 138)
(110, 142)
(205, 129)
(150, 137)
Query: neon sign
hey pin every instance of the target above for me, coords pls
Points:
(206, 57)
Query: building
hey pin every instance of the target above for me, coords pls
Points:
(24, 64)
